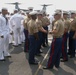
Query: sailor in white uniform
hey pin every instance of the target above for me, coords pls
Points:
(15, 22)
(4, 35)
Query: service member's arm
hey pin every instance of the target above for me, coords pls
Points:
(25, 23)
(55, 29)
(53, 23)
(40, 28)
(43, 30)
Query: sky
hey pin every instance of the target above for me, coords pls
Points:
(57, 4)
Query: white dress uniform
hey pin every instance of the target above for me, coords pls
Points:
(4, 42)
(15, 22)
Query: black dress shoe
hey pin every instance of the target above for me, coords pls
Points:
(44, 46)
(47, 68)
(41, 52)
(25, 51)
(3, 60)
(20, 44)
(34, 63)
(8, 56)
(38, 54)
(15, 45)
(64, 60)
(57, 66)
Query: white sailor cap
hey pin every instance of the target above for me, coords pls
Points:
(65, 13)
(58, 10)
(22, 12)
(33, 13)
(27, 12)
(57, 13)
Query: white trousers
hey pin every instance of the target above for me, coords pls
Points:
(4, 46)
(17, 39)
